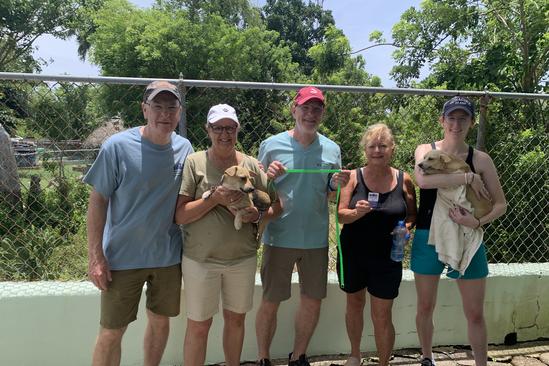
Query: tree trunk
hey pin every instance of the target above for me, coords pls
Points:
(482, 123)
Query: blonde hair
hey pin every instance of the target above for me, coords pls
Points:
(377, 131)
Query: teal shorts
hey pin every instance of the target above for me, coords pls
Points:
(425, 260)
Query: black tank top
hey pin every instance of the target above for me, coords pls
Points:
(373, 230)
(427, 197)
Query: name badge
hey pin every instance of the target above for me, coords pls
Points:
(373, 199)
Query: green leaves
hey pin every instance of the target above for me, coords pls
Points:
(23, 21)
(472, 45)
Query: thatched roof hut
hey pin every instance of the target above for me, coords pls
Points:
(100, 134)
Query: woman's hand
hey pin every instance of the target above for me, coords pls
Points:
(461, 216)
(477, 184)
(226, 197)
(362, 207)
(251, 214)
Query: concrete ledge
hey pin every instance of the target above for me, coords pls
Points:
(55, 323)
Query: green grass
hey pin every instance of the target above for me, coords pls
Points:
(47, 175)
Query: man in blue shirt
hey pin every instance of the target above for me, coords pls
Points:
(132, 237)
(300, 235)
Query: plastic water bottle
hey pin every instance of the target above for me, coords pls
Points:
(400, 237)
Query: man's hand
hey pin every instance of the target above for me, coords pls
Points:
(99, 272)
(275, 170)
(341, 178)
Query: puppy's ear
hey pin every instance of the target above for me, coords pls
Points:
(445, 158)
(252, 173)
(231, 172)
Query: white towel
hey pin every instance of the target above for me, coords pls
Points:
(455, 244)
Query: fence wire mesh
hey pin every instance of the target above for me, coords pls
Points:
(57, 127)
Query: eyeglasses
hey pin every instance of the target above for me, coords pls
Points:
(311, 109)
(219, 129)
(158, 108)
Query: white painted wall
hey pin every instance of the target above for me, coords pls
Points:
(55, 323)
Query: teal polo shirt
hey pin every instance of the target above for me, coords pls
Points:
(304, 222)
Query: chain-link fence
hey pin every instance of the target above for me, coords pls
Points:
(57, 125)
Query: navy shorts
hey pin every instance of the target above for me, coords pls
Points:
(425, 260)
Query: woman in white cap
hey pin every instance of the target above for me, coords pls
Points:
(456, 120)
(217, 258)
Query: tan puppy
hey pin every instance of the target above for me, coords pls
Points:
(439, 162)
(238, 178)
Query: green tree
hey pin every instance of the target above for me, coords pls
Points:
(159, 43)
(237, 12)
(475, 45)
(301, 25)
(23, 21)
(62, 113)
(347, 114)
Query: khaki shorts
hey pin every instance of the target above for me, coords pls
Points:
(204, 282)
(119, 303)
(277, 267)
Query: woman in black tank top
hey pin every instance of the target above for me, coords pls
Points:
(373, 202)
(457, 119)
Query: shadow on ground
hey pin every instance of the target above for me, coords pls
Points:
(535, 353)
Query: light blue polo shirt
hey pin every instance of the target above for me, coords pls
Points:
(304, 222)
(141, 181)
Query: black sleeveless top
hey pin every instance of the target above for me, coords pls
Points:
(427, 197)
(373, 230)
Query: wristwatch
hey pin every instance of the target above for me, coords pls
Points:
(330, 188)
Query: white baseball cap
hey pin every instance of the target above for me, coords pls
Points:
(221, 111)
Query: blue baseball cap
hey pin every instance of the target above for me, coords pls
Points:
(456, 103)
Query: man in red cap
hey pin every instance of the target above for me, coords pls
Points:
(300, 235)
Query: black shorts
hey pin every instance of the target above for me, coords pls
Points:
(380, 276)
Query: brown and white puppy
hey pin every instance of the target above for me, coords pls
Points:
(439, 162)
(238, 178)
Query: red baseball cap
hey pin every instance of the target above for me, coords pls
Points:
(307, 93)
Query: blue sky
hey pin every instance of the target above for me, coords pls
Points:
(357, 19)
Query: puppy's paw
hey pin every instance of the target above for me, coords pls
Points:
(238, 222)
(208, 193)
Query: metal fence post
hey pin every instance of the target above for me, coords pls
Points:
(183, 119)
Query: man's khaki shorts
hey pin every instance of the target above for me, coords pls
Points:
(119, 303)
(205, 282)
(277, 267)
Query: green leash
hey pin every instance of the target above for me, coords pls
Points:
(313, 170)
(324, 171)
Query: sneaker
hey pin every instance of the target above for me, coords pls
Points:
(263, 362)
(301, 361)
(426, 361)
(353, 361)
